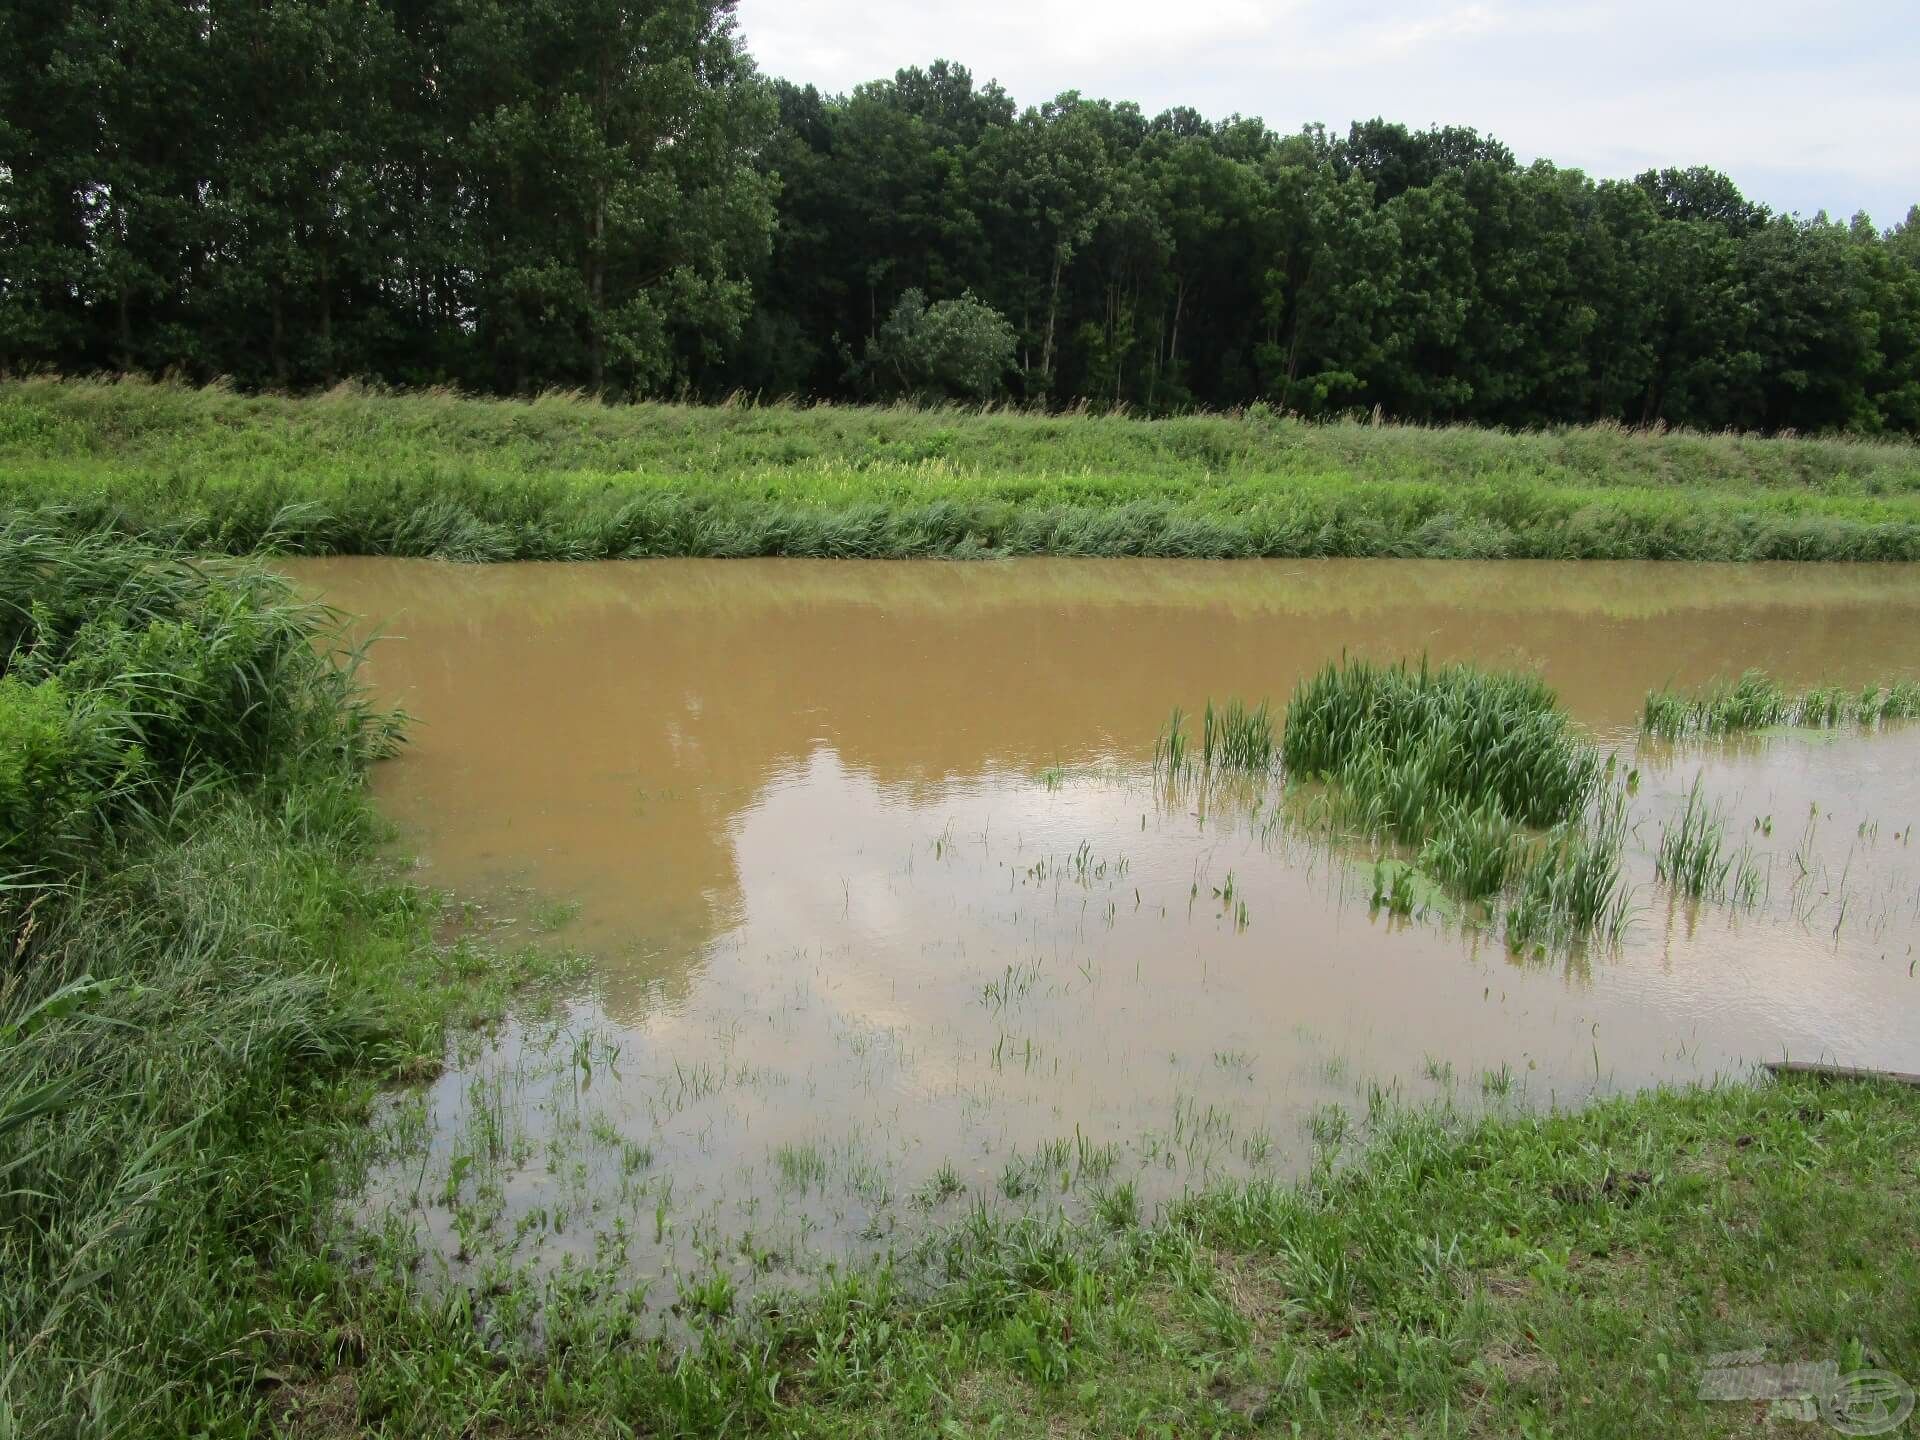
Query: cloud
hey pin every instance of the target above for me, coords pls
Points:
(1808, 107)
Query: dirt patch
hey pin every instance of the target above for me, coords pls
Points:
(324, 1409)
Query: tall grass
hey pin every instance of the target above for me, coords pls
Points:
(1408, 744)
(131, 674)
(1569, 885)
(1482, 776)
(192, 957)
(1234, 739)
(1756, 701)
(361, 472)
(1692, 855)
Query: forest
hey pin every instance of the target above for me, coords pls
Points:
(609, 197)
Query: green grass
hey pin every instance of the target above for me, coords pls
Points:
(355, 471)
(1757, 702)
(1414, 740)
(201, 974)
(1480, 776)
(1233, 740)
(1524, 1275)
(1692, 855)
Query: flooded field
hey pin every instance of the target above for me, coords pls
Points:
(888, 918)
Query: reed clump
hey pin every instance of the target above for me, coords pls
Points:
(1406, 745)
(1756, 701)
(1480, 775)
(1692, 855)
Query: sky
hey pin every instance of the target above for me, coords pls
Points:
(1807, 106)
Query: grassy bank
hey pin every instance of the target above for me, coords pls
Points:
(430, 474)
(201, 974)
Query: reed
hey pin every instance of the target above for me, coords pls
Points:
(1234, 739)
(1692, 855)
(1569, 886)
(1756, 701)
(1406, 742)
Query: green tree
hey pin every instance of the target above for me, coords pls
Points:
(951, 348)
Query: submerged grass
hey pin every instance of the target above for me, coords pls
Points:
(1756, 701)
(1534, 1274)
(1692, 855)
(1480, 774)
(356, 471)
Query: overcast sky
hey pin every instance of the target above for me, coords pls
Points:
(1808, 106)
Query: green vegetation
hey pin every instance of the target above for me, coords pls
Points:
(200, 971)
(1692, 854)
(357, 472)
(1481, 775)
(1233, 739)
(510, 198)
(1406, 744)
(1756, 701)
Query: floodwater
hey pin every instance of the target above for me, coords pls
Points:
(886, 917)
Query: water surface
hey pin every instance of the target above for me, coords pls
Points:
(887, 916)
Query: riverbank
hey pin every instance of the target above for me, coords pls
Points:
(355, 472)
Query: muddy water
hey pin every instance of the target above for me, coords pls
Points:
(886, 917)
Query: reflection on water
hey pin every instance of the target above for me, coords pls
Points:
(888, 917)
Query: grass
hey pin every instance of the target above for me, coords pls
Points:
(1757, 702)
(1405, 743)
(1233, 740)
(361, 472)
(201, 974)
(1520, 1275)
(1480, 775)
(1692, 855)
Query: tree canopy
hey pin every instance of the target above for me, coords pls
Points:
(604, 194)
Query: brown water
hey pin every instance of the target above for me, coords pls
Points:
(877, 888)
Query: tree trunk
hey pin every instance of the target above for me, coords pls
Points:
(1053, 313)
(597, 292)
(1179, 303)
(277, 341)
(326, 321)
(124, 313)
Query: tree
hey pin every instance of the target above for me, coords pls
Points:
(951, 348)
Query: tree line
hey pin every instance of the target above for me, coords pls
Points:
(509, 195)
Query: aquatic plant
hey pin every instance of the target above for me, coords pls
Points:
(1691, 856)
(1568, 885)
(1233, 739)
(1756, 701)
(1405, 742)
(1470, 852)
(1236, 738)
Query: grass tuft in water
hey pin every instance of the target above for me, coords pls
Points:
(1407, 743)
(1234, 739)
(1692, 855)
(1756, 701)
